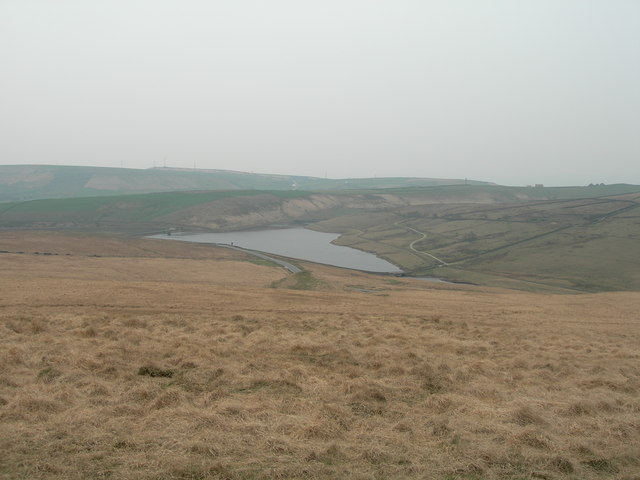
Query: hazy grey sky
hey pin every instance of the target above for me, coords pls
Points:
(511, 91)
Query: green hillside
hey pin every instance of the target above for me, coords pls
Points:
(29, 182)
(236, 209)
(119, 212)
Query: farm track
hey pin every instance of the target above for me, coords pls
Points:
(423, 236)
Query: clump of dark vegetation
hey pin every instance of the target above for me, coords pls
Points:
(602, 465)
(526, 416)
(562, 465)
(49, 374)
(155, 371)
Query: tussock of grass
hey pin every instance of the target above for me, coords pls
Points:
(527, 416)
(152, 371)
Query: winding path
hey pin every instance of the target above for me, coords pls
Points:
(424, 235)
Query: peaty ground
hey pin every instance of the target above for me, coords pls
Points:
(131, 358)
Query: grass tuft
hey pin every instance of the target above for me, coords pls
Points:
(602, 465)
(49, 374)
(526, 416)
(152, 371)
(562, 465)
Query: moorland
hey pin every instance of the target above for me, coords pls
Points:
(129, 357)
(123, 357)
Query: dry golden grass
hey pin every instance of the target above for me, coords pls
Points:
(159, 360)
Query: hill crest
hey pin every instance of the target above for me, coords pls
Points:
(32, 182)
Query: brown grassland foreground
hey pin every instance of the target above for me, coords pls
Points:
(158, 360)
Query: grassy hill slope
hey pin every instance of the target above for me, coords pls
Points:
(582, 244)
(123, 212)
(27, 182)
(148, 359)
(235, 209)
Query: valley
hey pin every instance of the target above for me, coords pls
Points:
(562, 239)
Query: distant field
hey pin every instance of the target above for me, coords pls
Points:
(134, 358)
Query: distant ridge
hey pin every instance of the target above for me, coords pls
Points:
(31, 182)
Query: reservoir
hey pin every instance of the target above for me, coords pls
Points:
(299, 243)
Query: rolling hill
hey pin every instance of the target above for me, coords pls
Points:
(29, 182)
(222, 210)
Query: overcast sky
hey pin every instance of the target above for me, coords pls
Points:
(511, 91)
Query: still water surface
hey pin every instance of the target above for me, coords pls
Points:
(298, 243)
